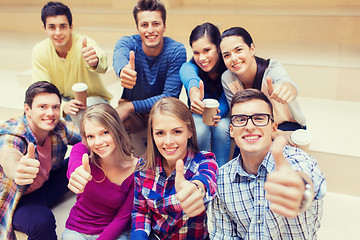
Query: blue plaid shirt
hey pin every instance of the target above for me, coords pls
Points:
(241, 211)
(16, 133)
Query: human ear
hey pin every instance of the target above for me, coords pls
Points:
(252, 49)
(27, 108)
(231, 131)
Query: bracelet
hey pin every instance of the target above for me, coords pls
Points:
(200, 189)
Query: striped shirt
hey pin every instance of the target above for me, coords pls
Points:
(157, 77)
(16, 133)
(156, 209)
(241, 211)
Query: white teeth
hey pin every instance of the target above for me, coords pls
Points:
(251, 137)
(102, 148)
(151, 37)
(170, 149)
(237, 65)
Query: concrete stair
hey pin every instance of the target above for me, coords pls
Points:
(317, 42)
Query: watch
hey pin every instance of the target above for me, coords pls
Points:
(308, 196)
(199, 188)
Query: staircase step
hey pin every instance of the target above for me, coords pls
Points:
(335, 143)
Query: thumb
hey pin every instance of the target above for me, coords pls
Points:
(201, 87)
(31, 151)
(85, 163)
(277, 151)
(270, 85)
(179, 177)
(84, 42)
(132, 60)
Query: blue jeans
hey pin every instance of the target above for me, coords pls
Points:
(214, 139)
(74, 235)
(33, 215)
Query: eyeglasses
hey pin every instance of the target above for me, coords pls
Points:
(258, 119)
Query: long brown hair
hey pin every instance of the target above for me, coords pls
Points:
(107, 116)
(175, 108)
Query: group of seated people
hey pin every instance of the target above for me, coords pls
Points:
(270, 189)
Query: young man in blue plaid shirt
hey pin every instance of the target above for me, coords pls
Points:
(33, 168)
(270, 191)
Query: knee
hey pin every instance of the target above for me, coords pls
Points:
(37, 222)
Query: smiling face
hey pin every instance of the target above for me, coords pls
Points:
(99, 139)
(206, 55)
(238, 57)
(252, 140)
(171, 137)
(59, 32)
(151, 29)
(44, 114)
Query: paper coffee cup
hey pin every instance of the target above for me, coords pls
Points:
(80, 93)
(302, 139)
(211, 109)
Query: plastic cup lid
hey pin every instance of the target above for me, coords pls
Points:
(79, 87)
(211, 103)
(301, 137)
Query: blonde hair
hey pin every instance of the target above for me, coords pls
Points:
(107, 116)
(176, 108)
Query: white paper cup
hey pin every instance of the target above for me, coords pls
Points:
(302, 139)
(211, 109)
(80, 92)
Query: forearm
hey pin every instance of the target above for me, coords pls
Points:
(207, 170)
(9, 159)
(121, 54)
(189, 75)
(75, 159)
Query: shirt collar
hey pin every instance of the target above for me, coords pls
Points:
(237, 171)
(187, 161)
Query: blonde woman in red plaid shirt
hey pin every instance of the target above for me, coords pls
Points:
(174, 181)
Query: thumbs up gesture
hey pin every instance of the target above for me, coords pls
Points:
(27, 168)
(81, 176)
(284, 187)
(281, 92)
(128, 73)
(190, 198)
(89, 54)
(196, 96)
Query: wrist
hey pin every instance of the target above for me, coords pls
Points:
(308, 196)
(199, 188)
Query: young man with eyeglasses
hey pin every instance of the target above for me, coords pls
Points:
(270, 191)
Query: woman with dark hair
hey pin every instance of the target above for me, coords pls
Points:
(201, 77)
(174, 181)
(245, 70)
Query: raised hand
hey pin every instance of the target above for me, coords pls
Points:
(89, 54)
(191, 199)
(128, 73)
(81, 176)
(27, 168)
(284, 187)
(73, 106)
(282, 92)
(196, 96)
